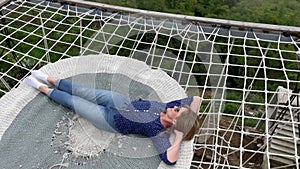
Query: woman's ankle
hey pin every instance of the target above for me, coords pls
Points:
(44, 89)
(52, 80)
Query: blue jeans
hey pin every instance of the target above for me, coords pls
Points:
(98, 106)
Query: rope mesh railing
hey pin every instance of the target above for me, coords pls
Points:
(236, 69)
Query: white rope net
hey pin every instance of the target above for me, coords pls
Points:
(247, 75)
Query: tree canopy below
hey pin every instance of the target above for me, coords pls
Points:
(279, 12)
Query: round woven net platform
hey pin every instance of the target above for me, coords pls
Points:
(43, 134)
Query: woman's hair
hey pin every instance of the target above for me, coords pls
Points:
(187, 122)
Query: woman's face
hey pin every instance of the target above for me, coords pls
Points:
(173, 113)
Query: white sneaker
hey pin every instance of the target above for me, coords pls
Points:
(33, 82)
(41, 76)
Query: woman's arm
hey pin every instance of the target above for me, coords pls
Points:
(173, 151)
(195, 105)
(193, 102)
(162, 144)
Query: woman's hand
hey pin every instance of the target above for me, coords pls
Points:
(178, 134)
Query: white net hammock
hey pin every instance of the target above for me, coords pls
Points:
(247, 73)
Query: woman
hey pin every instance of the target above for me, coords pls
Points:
(114, 112)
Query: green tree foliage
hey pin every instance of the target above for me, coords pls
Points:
(281, 12)
(213, 9)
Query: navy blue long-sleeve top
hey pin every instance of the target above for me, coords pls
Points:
(143, 117)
